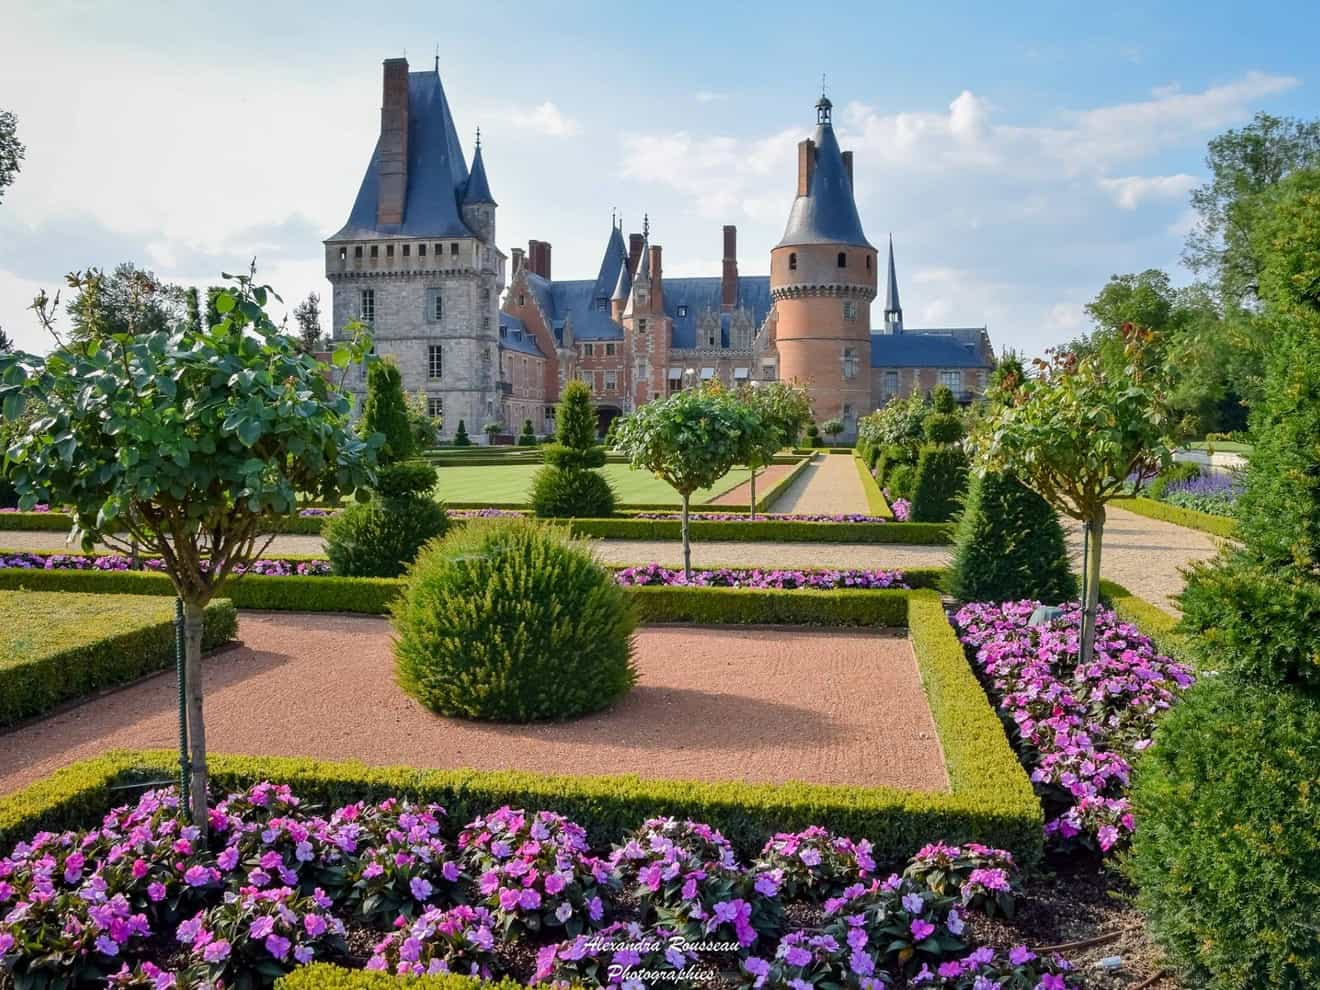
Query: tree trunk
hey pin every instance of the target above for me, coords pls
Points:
(1092, 601)
(193, 618)
(753, 493)
(687, 546)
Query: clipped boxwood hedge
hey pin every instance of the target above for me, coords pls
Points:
(766, 531)
(990, 799)
(323, 976)
(1152, 620)
(88, 643)
(1206, 522)
(875, 500)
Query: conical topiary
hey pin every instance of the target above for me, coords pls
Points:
(386, 411)
(461, 438)
(1008, 546)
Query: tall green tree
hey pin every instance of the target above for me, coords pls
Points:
(308, 315)
(784, 409)
(568, 486)
(192, 444)
(11, 150)
(385, 412)
(1075, 432)
(689, 440)
(128, 300)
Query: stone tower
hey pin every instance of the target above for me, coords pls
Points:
(417, 259)
(646, 326)
(822, 282)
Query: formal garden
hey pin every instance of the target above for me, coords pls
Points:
(452, 746)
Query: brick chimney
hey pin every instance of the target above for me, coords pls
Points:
(517, 261)
(538, 258)
(847, 167)
(635, 242)
(729, 275)
(545, 260)
(657, 281)
(806, 165)
(392, 157)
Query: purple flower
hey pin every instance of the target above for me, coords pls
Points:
(421, 888)
(217, 951)
(278, 946)
(1020, 955)
(197, 876)
(921, 929)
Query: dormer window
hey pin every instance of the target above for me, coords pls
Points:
(343, 254)
(792, 261)
(522, 299)
(682, 312)
(453, 248)
(843, 259)
(421, 250)
(407, 250)
(375, 250)
(389, 250)
(357, 250)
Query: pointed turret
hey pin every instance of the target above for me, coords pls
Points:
(478, 189)
(824, 211)
(622, 289)
(893, 309)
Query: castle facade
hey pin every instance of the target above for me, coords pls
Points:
(418, 261)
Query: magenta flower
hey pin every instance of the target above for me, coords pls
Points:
(921, 929)
(278, 946)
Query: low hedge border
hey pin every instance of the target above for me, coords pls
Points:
(372, 596)
(323, 976)
(766, 501)
(1176, 514)
(990, 798)
(34, 688)
(875, 498)
(1152, 620)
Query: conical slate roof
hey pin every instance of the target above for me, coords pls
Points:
(624, 285)
(827, 214)
(478, 189)
(614, 258)
(891, 287)
(437, 172)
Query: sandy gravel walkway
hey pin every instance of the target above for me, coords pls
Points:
(722, 703)
(828, 484)
(1144, 555)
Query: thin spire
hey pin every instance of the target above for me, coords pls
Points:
(646, 225)
(437, 58)
(478, 137)
(893, 308)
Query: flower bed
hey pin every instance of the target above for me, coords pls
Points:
(120, 562)
(1077, 728)
(394, 886)
(763, 517)
(728, 577)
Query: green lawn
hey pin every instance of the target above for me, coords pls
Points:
(1222, 446)
(510, 483)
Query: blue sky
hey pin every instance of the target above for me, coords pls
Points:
(1020, 154)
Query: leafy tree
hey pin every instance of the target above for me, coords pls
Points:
(832, 427)
(11, 150)
(689, 440)
(425, 427)
(192, 309)
(128, 300)
(492, 429)
(1075, 433)
(385, 412)
(193, 444)
(1243, 164)
(308, 315)
(783, 407)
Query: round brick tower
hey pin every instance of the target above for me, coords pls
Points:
(822, 281)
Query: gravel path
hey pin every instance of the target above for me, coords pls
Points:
(828, 484)
(711, 703)
(1144, 555)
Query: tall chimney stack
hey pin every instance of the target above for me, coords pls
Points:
(538, 258)
(657, 281)
(729, 275)
(806, 165)
(517, 261)
(635, 242)
(392, 160)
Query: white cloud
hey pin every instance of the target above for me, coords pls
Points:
(546, 118)
(709, 96)
(1130, 191)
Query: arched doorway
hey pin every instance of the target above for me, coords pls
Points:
(604, 416)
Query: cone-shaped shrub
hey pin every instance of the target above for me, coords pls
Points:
(1227, 847)
(461, 438)
(385, 411)
(1009, 546)
(509, 620)
(567, 486)
(938, 484)
(528, 436)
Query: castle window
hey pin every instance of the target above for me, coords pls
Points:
(609, 350)
(588, 350)
(953, 379)
(389, 250)
(407, 250)
(439, 250)
(611, 381)
(792, 261)
(343, 254)
(435, 362)
(682, 312)
(522, 299)
(849, 363)
(641, 326)
(710, 338)
(868, 262)
(891, 384)
(435, 305)
(850, 309)
(485, 323)
(375, 250)
(485, 295)
(843, 259)
(453, 248)
(421, 250)
(367, 305)
(435, 407)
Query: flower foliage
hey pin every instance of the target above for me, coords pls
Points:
(121, 562)
(1078, 726)
(728, 577)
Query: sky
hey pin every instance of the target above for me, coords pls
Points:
(1019, 154)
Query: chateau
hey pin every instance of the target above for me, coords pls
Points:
(418, 261)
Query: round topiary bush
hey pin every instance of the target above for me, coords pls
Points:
(511, 621)
(898, 481)
(381, 538)
(561, 493)
(407, 478)
(1226, 854)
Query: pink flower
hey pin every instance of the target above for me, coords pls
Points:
(277, 946)
(921, 929)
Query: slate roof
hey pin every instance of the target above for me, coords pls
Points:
(477, 189)
(514, 336)
(437, 172)
(954, 347)
(892, 304)
(827, 214)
